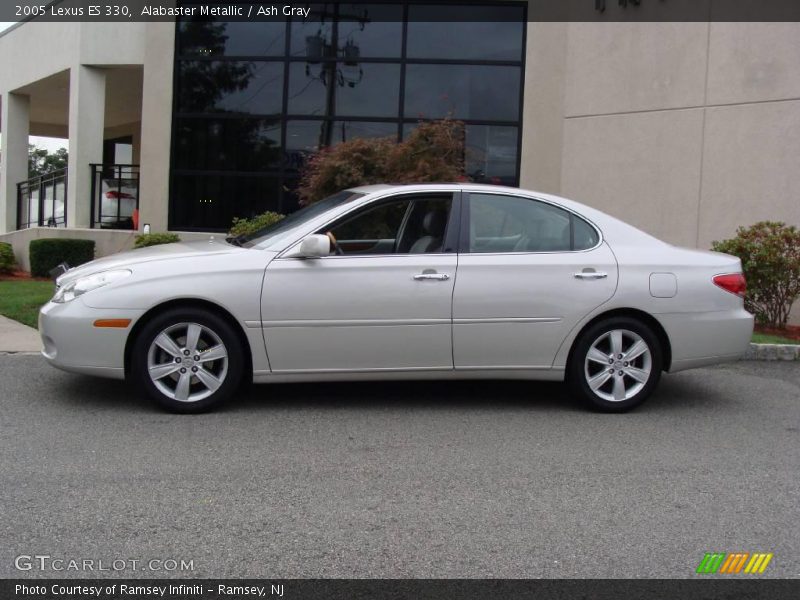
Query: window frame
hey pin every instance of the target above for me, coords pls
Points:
(464, 241)
(451, 234)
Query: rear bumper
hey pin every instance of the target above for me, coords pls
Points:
(72, 343)
(702, 339)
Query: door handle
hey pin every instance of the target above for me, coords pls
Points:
(590, 275)
(434, 276)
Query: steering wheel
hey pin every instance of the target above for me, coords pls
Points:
(337, 250)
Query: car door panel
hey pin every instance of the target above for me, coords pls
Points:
(354, 313)
(514, 310)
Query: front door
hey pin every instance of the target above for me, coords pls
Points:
(380, 302)
(528, 271)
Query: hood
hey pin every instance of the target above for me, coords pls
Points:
(131, 258)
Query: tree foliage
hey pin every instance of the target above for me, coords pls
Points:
(433, 152)
(40, 161)
(770, 255)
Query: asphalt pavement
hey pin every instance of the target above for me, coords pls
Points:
(422, 479)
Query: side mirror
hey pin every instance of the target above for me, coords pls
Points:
(314, 246)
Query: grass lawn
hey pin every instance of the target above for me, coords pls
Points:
(763, 338)
(21, 300)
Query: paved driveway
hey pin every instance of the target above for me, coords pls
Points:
(403, 480)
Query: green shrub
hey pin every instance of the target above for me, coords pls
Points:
(7, 261)
(433, 152)
(154, 239)
(48, 253)
(770, 255)
(253, 224)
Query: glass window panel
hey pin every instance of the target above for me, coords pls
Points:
(485, 33)
(231, 86)
(585, 236)
(312, 38)
(228, 144)
(501, 223)
(370, 30)
(367, 90)
(350, 130)
(212, 202)
(491, 154)
(33, 203)
(234, 38)
(462, 91)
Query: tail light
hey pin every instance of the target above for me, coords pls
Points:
(732, 282)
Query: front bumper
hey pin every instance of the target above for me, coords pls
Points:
(72, 343)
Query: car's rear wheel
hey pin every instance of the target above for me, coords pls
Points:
(616, 364)
(188, 360)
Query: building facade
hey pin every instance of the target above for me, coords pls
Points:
(686, 130)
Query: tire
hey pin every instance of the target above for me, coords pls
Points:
(190, 381)
(592, 380)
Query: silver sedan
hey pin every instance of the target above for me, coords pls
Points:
(404, 282)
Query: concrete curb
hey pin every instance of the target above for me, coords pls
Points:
(787, 352)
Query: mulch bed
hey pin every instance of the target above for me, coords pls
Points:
(21, 276)
(791, 332)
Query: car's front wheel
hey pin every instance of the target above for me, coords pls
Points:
(616, 364)
(188, 360)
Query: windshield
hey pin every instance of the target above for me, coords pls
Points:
(272, 234)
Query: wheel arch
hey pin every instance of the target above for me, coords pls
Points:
(646, 318)
(189, 303)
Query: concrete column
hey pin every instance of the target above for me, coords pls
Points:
(543, 111)
(14, 166)
(87, 104)
(156, 130)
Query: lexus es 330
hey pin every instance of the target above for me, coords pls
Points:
(427, 281)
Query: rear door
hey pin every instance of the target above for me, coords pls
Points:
(528, 271)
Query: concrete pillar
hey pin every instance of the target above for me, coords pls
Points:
(87, 104)
(14, 166)
(156, 130)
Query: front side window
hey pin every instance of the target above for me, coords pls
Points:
(513, 224)
(411, 225)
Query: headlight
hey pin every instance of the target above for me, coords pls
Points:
(76, 288)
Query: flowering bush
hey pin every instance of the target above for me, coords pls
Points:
(433, 152)
(770, 255)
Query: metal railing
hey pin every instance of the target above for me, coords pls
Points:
(42, 201)
(115, 196)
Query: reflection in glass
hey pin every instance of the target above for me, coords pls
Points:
(254, 87)
(303, 137)
(213, 201)
(491, 154)
(370, 30)
(368, 90)
(486, 33)
(313, 37)
(462, 91)
(234, 38)
(228, 144)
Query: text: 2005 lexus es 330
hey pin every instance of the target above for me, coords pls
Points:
(418, 281)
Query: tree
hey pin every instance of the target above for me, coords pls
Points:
(433, 152)
(40, 161)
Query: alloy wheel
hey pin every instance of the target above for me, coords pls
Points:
(618, 365)
(187, 362)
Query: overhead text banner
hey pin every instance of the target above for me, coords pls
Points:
(388, 10)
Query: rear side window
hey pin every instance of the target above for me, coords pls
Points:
(584, 235)
(501, 224)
